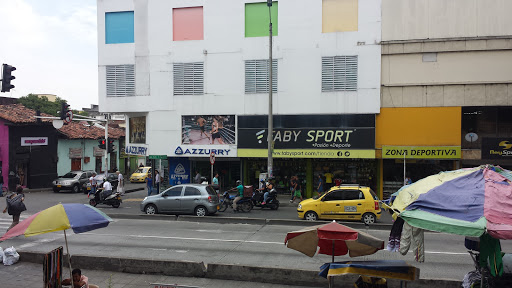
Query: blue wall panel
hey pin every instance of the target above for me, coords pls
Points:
(119, 27)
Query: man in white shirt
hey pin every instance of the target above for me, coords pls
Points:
(120, 183)
(93, 182)
(157, 181)
(107, 188)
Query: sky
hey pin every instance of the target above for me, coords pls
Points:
(53, 45)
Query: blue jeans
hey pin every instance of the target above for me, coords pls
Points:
(93, 191)
(265, 196)
(150, 190)
(158, 188)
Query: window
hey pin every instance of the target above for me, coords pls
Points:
(119, 27)
(191, 191)
(188, 78)
(352, 195)
(187, 23)
(339, 15)
(173, 192)
(339, 73)
(120, 80)
(256, 19)
(334, 196)
(256, 76)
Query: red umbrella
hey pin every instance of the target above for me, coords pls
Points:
(333, 239)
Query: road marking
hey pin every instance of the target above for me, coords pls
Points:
(447, 253)
(40, 241)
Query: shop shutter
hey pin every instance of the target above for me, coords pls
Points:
(339, 73)
(120, 80)
(188, 78)
(256, 76)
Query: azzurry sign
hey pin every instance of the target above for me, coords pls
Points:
(179, 171)
(205, 151)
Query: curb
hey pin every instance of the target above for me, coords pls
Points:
(283, 276)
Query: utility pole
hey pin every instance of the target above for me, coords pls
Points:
(270, 138)
(106, 144)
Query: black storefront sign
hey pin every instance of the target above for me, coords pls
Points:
(315, 132)
(496, 148)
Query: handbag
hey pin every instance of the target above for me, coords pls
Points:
(16, 205)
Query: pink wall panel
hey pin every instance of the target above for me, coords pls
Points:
(4, 150)
(187, 23)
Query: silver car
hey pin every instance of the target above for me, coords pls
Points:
(73, 180)
(197, 199)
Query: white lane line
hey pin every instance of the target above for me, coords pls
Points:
(39, 241)
(446, 253)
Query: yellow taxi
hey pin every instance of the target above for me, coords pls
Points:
(140, 174)
(345, 202)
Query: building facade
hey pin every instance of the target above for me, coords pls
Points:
(190, 75)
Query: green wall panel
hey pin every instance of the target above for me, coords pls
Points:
(256, 19)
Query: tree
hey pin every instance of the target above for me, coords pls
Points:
(42, 104)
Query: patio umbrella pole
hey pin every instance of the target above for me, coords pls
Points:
(332, 251)
(69, 258)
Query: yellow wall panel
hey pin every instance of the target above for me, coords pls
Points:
(429, 126)
(339, 15)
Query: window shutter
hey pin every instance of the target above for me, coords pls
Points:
(120, 80)
(339, 73)
(188, 78)
(257, 78)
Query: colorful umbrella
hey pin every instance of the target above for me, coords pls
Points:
(79, 217)
(333, 239)
(466, 202)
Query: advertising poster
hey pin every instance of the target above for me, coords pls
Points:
(208, 130)
(179, 171)
(138, 130)
(496, 148)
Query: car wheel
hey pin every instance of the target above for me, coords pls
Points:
(311, 216)
(93, 203)
(76, 188)
(200, 211)
(150, 209)
(368, 218)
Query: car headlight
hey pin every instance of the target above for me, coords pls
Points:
(300, 206)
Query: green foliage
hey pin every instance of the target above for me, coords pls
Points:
(33, 102)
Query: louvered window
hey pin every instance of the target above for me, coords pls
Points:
(188, 78)
(120, 80)
(339, 73)
(256, 76)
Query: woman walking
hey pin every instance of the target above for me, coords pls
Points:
(149, 184)
(15, 206)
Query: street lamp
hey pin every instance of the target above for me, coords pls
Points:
(270, 124)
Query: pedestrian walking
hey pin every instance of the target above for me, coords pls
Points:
(120, 182)
(292, 188)
(197, 178)
(93, 181)
(157, 181)
(15, 206)
(320, 188)
(297, 190)
(149, 184)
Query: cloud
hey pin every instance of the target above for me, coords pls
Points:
(53, 47)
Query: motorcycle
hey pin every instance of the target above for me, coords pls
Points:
(113, 199)
(272, 202)
(244, 205)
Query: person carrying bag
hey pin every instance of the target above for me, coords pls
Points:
(15, 206)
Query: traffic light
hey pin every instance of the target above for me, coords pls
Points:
(102, 143)
(110, 145)
(64, 111)
(7, 77)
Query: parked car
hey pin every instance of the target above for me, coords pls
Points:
(345, 202)
(197, 199)
(140, 174)
(112, 178)
(72, 181)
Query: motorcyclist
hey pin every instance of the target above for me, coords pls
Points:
(240, 194)
(270, 189)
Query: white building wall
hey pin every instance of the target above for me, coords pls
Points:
(299, 46)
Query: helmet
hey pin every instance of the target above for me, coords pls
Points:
(238, 182)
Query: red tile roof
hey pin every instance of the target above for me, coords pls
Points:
(17, 113)
(82, 130)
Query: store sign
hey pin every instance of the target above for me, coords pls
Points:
(421, 152)
(157, 157)
(204, 151)
(75, 153)
(179, 171)
(139, 150)
(34, 141)
(309, 138)
(98, 152)
(496, 148)
(309, 153)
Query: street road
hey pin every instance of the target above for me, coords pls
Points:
(243, 244)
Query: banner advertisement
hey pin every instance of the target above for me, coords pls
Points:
(137, 128)
(308, 153)
(421, 152)
(208, 130)
(496, 148)
(204, 151)
(179, 171)
(34, 141)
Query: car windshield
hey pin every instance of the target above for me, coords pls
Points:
(375, 197)
(70, 175)
(142, 170)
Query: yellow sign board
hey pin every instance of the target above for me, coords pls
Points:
(308, 153)
(421, 152)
